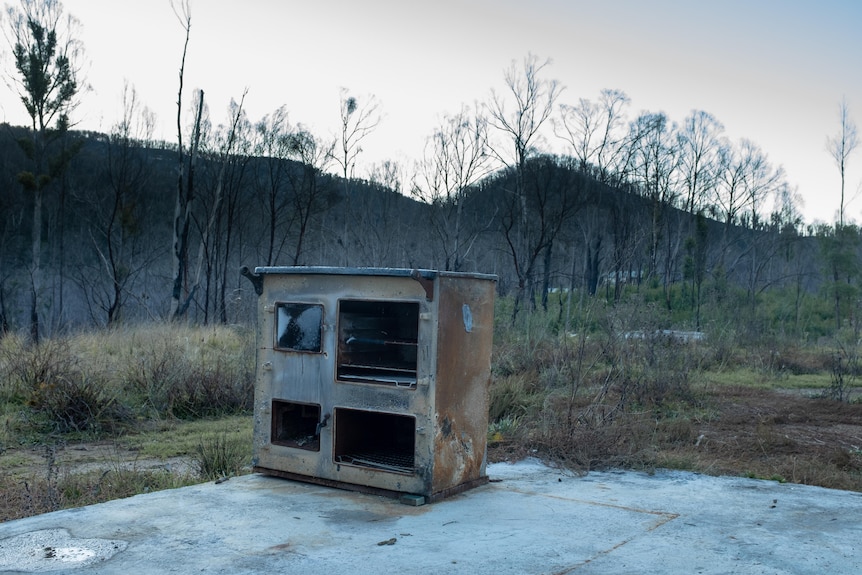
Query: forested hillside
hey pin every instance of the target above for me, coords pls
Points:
(574, 228)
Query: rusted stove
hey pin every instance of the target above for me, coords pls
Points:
(373, 379)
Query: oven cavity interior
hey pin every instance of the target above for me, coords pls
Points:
(376, 440)
(296, 425)
(378, 341)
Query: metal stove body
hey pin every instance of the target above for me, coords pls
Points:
(373, 379)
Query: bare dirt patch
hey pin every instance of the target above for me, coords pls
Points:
(768, 434)
(783, 436)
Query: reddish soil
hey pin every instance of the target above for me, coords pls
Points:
(788, 436)
(778, 435)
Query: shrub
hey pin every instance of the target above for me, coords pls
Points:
(212, 389)
(51, 381)
(184, 372)
(79, 403)
(598, 398)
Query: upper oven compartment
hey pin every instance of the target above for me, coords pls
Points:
(378, 342)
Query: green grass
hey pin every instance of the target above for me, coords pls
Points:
(758, 379)
(774, 477)
(181, 438)
(678, 462)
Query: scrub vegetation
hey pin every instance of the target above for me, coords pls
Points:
(610, 393)
(117, 412)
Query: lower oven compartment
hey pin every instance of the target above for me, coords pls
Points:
(375, 440)
(296, 425)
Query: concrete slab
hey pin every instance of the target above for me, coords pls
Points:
(530, 519)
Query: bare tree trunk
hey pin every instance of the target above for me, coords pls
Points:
(182, 220)
(592, 264)
(4, 322)
(216, 209)
(36, 269)
(546, 277)
(840, 147)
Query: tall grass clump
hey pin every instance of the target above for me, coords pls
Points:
(104, 381)
(222, 455)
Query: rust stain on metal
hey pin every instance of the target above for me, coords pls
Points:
(463, 376)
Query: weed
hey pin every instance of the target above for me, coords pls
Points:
(513, 397)
(680, 462)
(221, 456)
(843, 373)
(774, 477)
(503, 428)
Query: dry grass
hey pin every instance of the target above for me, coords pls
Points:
(593, 400)
(737, 431)
(97, 382)
(109, 386)
(55, 487)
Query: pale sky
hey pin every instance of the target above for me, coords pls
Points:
(773, 71)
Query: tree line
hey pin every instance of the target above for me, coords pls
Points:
(102, 228)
